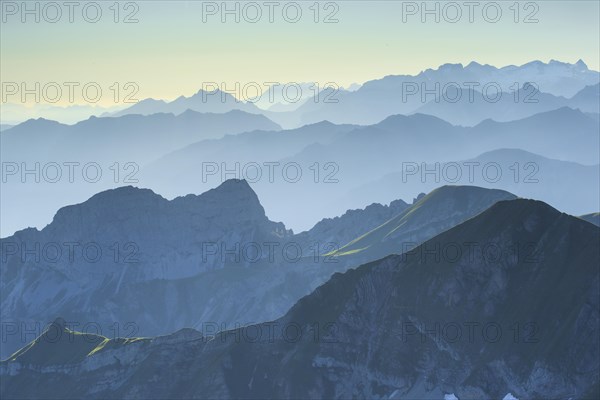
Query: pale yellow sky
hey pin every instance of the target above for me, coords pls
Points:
(171, 51)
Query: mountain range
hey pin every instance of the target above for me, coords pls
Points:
(462, 95)
(171, 155)
(351, 158)
(520, 172)
(441, 241)
(69, 163)
(132, 137)
(522, 319)
(215, 258)
(215, 101)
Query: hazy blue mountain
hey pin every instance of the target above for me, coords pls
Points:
(402, 94)
(290, 96)
(256, 146)
(540, 134)
(367, 153)
(251, 155)
(523, 173)
(563, 134)
(471, 108)
(202, 101)
(132, 137)
(419, 325)
(301, 114)
(112, 151)
(353, 156)
(587, 99)
(333, 160)
(4, 127)
(285, 107)
(380, 98)
(215, 258)
(15, 112)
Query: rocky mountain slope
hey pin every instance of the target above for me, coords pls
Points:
(128, 257)
(513, 308)
(433, 91)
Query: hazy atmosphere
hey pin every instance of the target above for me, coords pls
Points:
(300, 200)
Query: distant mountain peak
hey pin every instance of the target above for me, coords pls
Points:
(536, 63)
(581, 64)
(38, 123)
(235, 184)
(563, 111)
(124, 191)
(323, 123)
(450, 67)
(213, 93)
(397, 119)
(235, 192)
(506, 151)
(151, 100)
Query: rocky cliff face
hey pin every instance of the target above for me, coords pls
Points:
(105, 261)
(513, 308)
(341, 230)
(166, 238)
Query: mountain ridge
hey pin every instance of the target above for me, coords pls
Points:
(403, 294)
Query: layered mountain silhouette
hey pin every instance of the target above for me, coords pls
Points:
(520, 172)
(215, 258)
(15, 112)
(215, 101)
(69, 163)
(354, 157)
(586, 97)
(558, 85)
(325, 154)
(465, 107)
(426, 236)
(513, 308)
(134, 137)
